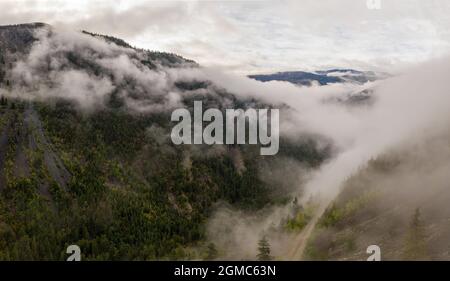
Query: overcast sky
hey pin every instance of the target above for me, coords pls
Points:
(260, 36)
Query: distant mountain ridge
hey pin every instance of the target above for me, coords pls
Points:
(322, 77)
(17, 40)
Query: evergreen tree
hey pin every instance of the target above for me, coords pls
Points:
(415, 246)
(3, 101)
(264, 249)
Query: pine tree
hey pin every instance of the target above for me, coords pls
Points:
(415, 246)
(264, 250)
(3, 101)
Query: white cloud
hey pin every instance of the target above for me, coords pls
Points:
(261, 36)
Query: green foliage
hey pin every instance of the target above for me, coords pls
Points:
(3, 101)
(301, 219)
(332, 216)
(130, 194)
(117, 41)
(415, 245)
(128, 197)
(336, 213)
(264, 250)
(312, 252)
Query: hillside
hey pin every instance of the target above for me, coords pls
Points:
(398, 202)
(86, 157)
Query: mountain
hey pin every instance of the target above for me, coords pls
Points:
(322, 77)
(86, 156)
(398, 202)
(18, 38)
(86, 159)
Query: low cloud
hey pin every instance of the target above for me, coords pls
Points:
(408, 107)
(87, 70)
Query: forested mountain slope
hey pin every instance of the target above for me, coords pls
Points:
(86, 156)
(399, 202)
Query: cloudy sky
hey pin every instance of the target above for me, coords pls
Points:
(258, 36)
